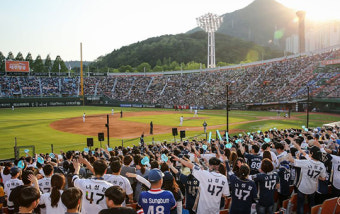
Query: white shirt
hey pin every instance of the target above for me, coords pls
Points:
(93, 194)
(9, 186)
(45, 184)
(310, 172)
(119, 180)
(5, 178)
(46, 199)
(212, 186)
(335, 177)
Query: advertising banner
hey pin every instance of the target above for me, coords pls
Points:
(17, 66)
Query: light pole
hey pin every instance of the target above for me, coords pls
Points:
(307, 106)
(210, 23)
(227, 108)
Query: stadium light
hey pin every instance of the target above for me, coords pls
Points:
(210, 24)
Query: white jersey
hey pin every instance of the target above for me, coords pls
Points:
(9, 186)
(5, 178)
(310, 172)
(46, 199)
(45, 184)
(335, 176)
(119, 180)
(211, 188)
(93, 190)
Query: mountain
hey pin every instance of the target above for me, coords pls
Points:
(184, 48)
(259, 22)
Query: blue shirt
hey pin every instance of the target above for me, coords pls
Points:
(191, 187)
(254, 162)
(284, 175)
(157, 201)
(267, 183)
(243, 193)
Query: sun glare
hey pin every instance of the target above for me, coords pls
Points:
(316, 10)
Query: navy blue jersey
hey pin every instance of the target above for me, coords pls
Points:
(243, 194)
(284, 175)
(191, 187)
(266, 183)
(254, 162)
(157, 201)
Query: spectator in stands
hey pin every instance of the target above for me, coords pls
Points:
(72, 198)
(28, 199)
(115, 196)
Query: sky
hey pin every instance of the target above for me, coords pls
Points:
(58, 27)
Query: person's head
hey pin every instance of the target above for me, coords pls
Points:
(29, 198)
(267, 154)
(279, 147)
(232, 157)
(15, 171)
(115, 196)
(244, 171)
(48, 170)
(265, 147)
(127, 160)
(154, 164)
(115, 166)
(71, 198)
(155, 177)
(255, 149)
(316, 153)
(267, 165)
(57, 183)
(99, 167)
(169, 183)
(214, 163)
(164, 167)
(25, 177)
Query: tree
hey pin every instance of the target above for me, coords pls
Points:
(30, 60)
(157, 68)
(147, 66)
(2, 62)
(48, 63)
(10, 56)
(59, 65)
(125, 68)
(19, 57)
(38, 65)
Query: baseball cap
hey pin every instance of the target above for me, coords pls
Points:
(155, 175)
(168, 176)
(14, 170)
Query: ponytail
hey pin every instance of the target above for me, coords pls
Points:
(55, 196)
(57, 183)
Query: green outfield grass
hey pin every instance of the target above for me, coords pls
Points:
(31, 126)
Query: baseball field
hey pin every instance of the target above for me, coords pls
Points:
(63, 127)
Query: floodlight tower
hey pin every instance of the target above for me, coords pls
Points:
(210, 24)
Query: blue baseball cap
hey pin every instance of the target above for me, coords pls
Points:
(155, 175)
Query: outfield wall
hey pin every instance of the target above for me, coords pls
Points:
(40, 102)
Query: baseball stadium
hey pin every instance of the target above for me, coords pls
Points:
(256, 136)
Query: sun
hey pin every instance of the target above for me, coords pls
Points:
(316, 10)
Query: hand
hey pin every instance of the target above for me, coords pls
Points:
(34, 180)
(76, 166)
(175, 157)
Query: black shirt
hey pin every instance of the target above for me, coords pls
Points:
(118, 210)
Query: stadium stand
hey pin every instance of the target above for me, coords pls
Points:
(177, 158)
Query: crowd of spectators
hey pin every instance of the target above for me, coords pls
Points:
(169, 177)
(281, 80)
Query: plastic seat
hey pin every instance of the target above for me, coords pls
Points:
(225, 211)
(315, 209)
(328, 206)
